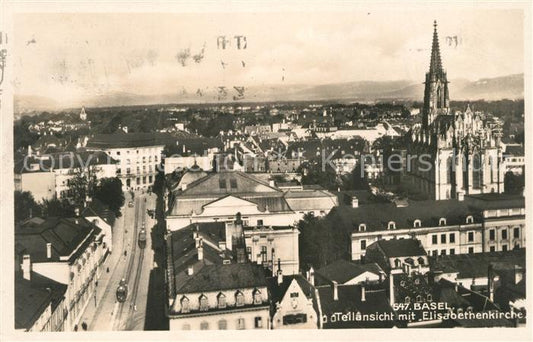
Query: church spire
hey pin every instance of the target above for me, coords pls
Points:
(436, 99)
(435, 67)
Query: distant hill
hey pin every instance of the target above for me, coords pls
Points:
(490, 89)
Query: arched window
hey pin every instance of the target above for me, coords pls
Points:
(184, 305)
(204, 305)
(391, 225)
(417, 223)
(257, 297)
(362, 227)
(239, 298)
(470, 219)
(221, 301)
(442, 221)
(418, 298)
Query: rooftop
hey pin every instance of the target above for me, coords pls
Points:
(125, 140)
(342, 271)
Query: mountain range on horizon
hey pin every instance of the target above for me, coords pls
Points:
(490, 89)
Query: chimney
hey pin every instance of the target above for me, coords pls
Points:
(355, 202)
(48, 250)
(201, 249)
(26, 267)
(279, 273)
(312, 276)
(491, 282)
(335, 291)
(190, 270)
(196, 237)
(391, 289)
(272, 183)
(363, 293)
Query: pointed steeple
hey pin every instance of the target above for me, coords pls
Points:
(435, 67)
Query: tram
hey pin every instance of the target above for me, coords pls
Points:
(142, 238)
(122, 291)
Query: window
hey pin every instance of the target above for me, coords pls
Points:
(258, 322)
(470, 236)
(294, 295)
(421, 261)
(429, 297)
(257, 297)
(452, 251)
(417, 224)
(203, 303)
(294, 319)
(222, 183)
(222, 324)
(470, 250)
(504, 234)
(452, 237)
(443, 238)
(469, 219)
(407, 299)
(363, 244)
(240, 323)
(184, 305)
(221, 301)
(392, 225)
(434, 239)
(259, 222)
(442, 252)
(442, 221)
(492, 249)
(435, 252)
(118, 153)
(239, 298)
(418, 298)
(204, 326)
(492, 234)
(362, 227)
(504, 248)
(516, 232)
(233, 183)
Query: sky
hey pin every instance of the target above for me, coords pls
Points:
(67, 57)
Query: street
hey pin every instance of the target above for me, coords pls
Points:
(130, 262)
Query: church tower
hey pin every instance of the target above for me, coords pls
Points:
(83, 115)
(436, 100)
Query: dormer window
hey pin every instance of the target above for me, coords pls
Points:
(391, 225)
(469, 219)
(417, 223)
(418, 298)
(184, 305)
(239, 298)
(257, 297)
(442, 221)
(221, 301)
(362, 227)
(429, 297)
(421, 261)
(407, 300)
(204, 306)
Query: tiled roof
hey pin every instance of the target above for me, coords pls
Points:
(349, 301)
(226, 276)
(64, 234)
(342, 271)
(476, 265)
(33, 297)
(515, 150)
(400, 247)
(125, 140)
(97, 208)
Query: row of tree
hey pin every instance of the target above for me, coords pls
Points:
(107, 190)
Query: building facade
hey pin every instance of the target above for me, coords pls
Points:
(464, 151)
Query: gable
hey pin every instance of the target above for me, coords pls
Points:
(226, 183)
(230, 205)
(362, 278)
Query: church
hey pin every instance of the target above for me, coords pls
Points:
(463, 148)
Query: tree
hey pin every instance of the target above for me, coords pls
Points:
(313, 173)
(514, 184)
(57, 207)
(25, 206)
(109, 191)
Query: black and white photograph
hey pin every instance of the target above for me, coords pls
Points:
(350, 166)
